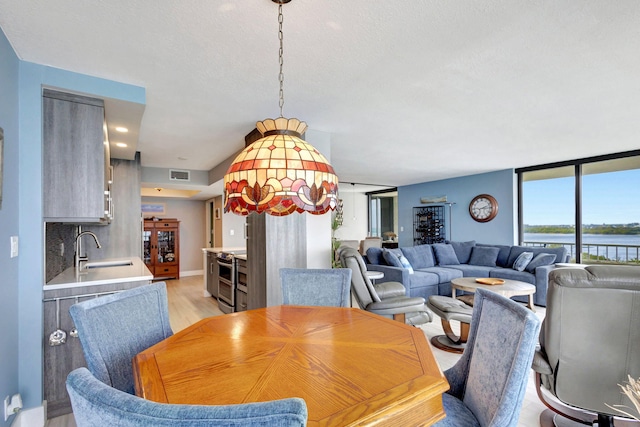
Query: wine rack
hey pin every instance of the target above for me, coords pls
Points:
(428, 225)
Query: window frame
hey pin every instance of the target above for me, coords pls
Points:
(577, 164)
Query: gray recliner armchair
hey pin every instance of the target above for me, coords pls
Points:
(387, 299)
(590, 343)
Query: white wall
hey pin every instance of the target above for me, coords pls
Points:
(355, 215)
(193, 234)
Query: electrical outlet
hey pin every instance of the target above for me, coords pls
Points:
(14, 246)
(231, 232)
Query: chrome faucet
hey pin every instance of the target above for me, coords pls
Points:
(77, 257)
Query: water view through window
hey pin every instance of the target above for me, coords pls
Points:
(609, 204)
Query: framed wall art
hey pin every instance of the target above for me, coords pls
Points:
(153, 209)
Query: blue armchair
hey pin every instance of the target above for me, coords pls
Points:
(114, 328)
(96, 404)
(325, 287)
(489, 381)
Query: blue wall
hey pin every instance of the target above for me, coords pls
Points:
(501, 185)
(23, 277)
(9, 214)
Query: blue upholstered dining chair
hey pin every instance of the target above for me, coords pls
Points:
(96, 404)
(326, 287)
(489, 381)
(114, 328)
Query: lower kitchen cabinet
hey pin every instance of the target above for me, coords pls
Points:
(60, 360)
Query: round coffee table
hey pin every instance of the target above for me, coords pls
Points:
(510, 288)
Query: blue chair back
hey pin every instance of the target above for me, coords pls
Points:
(114, 328)
(489, 381)
(324, 287)
(96, 404)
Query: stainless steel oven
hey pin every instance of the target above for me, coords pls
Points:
(227, 279)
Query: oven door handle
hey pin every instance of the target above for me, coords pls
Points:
(225, 264)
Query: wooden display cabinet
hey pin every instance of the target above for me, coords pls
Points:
(161, 248)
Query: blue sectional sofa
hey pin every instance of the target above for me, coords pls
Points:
(427, 270)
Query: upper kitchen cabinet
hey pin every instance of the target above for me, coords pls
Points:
(75, 159)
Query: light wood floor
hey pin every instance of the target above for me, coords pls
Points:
(187, 305)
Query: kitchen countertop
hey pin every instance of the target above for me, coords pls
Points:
(233, 250)
(135, 272)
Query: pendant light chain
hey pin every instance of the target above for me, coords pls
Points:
(281, 75)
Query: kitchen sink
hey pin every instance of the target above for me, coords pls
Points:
(104, 264)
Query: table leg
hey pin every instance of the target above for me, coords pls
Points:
(399, 317)
(530, 305)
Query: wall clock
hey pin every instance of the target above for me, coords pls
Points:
(483, 208)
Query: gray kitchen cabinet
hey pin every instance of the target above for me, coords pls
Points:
(74, 158)
(61, 359)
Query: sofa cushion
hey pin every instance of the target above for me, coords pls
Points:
(503, 255)
(444, 274)
(391, 258)
(420, 256)
(540, 259)
(463, 250)
(445, 255)
(469, 270)
(375, 256)
(522, 261)
(484, 255)
(510, 273)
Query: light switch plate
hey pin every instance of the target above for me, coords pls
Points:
(14, 246)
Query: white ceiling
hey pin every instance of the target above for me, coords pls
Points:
(409, 91)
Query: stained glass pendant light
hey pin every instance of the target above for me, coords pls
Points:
(280, 173)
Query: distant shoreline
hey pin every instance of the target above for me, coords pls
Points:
(611, 229)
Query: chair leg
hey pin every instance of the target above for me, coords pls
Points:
(399, 317)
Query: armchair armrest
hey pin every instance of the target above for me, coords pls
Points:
(540, 363)
(390, 289)
(391, 274)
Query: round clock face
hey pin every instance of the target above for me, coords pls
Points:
(483, 208)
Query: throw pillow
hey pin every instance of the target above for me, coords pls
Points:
(522, 261)
(463, 250)
(539, 260)
(391, 258)
(405, 263)
(484, 255)
(445, 254)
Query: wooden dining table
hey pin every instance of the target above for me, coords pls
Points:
(350, 366)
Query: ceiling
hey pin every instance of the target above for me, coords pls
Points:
(408, 91)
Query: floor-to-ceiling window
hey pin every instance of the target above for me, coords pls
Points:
(599, 194)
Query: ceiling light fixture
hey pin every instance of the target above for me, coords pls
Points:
(121, 144)
(280, 173)
(122, 129)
